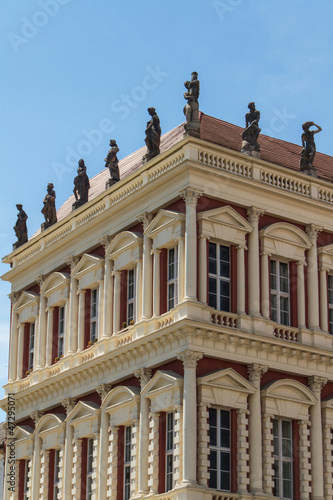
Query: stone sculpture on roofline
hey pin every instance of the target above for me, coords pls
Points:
(191, 108)
(49, 209)
(153, 136)
(309, 149)
(251, 132)
(111, 162)
(20, 227)
(81, 186)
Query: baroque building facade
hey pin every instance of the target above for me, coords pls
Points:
(172, 338)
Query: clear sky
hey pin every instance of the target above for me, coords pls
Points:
(76, 73)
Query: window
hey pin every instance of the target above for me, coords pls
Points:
(26, 479)
(130, 296)
(280, 292)
(56, 474)
(169, 451)
(127, 462)
(31, 346)
(330, 303)
(219, 277)
(282, 453)
(93, 314)
(172, 282)
(220, 449)
(90, 448)
(61, 331)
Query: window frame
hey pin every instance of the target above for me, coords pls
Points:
(131, 300)
(282, 459)
(172, 281)
(278, 293)
(93, 318)
(26, 479)
(219, 278)
(31, 351)
(56, 471)
(90, 469)
(169, 450)
(61, 331)
(219, 449)
(127, 462)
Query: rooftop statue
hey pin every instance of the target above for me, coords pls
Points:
(20, 227)
(111, 162)
(81, 186)
(49, 209)
(153, 136)
(191, 108)
(251, 132)
(309, 149)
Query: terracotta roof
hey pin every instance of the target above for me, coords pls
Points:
(273, 150)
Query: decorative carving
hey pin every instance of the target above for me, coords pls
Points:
(312, 231)
(20, 227)
(14, 296)
(49, 209)
(144, 375)
(72, 261)
(103, 390)
(153, 136)
(251, 133)
(81, 186)
(190, 358)
(40, 280)
(317, 383)
(309, 149)
(256, 371)
(105, 241)
(191, 108)
(36, 416)
(146, 219)
(254, 214)
(68, 404)
(190, 195)
(112, 162)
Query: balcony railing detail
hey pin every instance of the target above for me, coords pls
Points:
(285, 333)
(227, 164)
(224, 319)
(168, 165)
(283, 182)
(325, 195)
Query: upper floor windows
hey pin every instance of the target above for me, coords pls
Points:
(131, 298)
(219, 276)
(283, 458)
(220, 449)
(330, 303)
(172, 277)
(93, 314)
(31, 346)
(280, 292)
(61, 331)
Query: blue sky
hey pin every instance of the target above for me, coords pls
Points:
(79, 72)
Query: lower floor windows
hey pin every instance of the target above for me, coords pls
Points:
(220, 449)
(90, 447)
(127, 462)
(169, 444)
(283, 459)
(56, 474)
(330, 303)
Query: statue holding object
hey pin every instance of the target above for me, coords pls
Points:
(20, 227)
(112, 162)
(191, 108)
(49, 209)
(81, 186)
(251, 132)
(153, 136)
(309, 149)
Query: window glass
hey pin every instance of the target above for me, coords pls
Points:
(219, 269)
(220, 449)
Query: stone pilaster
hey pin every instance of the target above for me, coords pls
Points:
(300, 294)
(95, 466)
(108, 299)
(328, 462)
(241, 278)
(103, 449)
(144, 375)
(80, 334)
(153, 453)
(112, 463)
(312, 281)
(62, 472)
(134, 456)
(14, 296)
(323, 299)
(76, 469)
(178, 454)
(116, 301)
(156, 282)
(242, 451)
(203, 444)
(304, 459)
(44, 474)
(265, 302)
(253, 261)
(267, 453)
(146, 219)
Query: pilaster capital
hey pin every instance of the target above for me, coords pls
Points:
(40, 280)
(113, 430)
(256, 371)
(264, 253)
(155, 251)
(81, 291)
(316, 383)
(36, 416)
(241, 246)
(301, 263)
(146, 219)
(254, 214)
(144, 375)
(154, 416)
(325, 269)
(116, 273)
(103, 390)
(312, 230)
(191, 195)
(68, 404)
(190, 358)
(14, 296)
(105, 241)
(49, 309)
(72, 261)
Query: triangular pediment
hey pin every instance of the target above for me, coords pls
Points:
(162, 220)
(49, 422)
(23, 432)
(87, 263)
(161, 381)
(286, 233)
(227, 379)
(83, 410)
(290, 390)
(123, 241)
(121, 395)
(226, 216)
(54, 281)
(328, 249)
(27, 299)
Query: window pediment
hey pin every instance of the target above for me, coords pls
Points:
(327, 408)
(56, 287)
(165, 390)
(125, 249)
(50, 423)
(284, 240)
(224, 224)
(85, 418)
(326, 257)
(122, 404)
(287, 398)
(225, 388)
(166, 227)
(24, 441)
(27, 306)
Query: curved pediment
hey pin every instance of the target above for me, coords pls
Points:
(121, 395)
(86, 264)
(27, 299)
(122, 242)
(50, 422)
(287, 398)
(163, 220)
(83, 410)
(55, 281)
(224, 224)
(285, 240)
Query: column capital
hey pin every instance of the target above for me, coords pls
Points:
(264, 253)
(256, 371)
(189, 358)
(325, 269)
(312, 230)
(144, 375)
(146, 219)
(14, 296)
(154, 415)
(155, 251)
(254, 214)
(301, 263)
(40, 280)
(105, 241)
(241, 246)
(103, 390)
(116, 273)
(36, 416)
(68, 404)
(191, 195)
(72, 261)
(316, 383)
